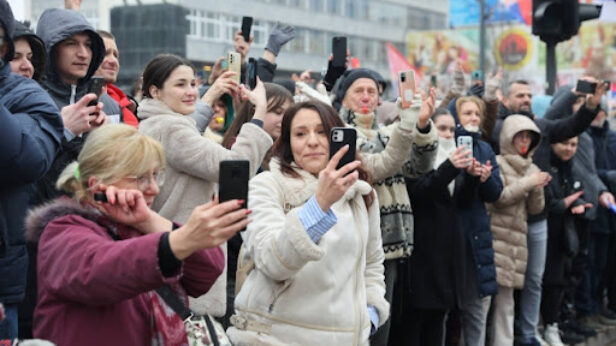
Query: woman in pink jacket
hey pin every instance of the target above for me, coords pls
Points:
(100, 262)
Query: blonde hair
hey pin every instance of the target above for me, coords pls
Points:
(474, 99)
(110, 153)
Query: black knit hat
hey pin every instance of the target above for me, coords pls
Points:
(351, 76)
(39, 54)
(8, 23)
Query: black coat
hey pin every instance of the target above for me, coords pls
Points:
(441, 271)
(563, 184)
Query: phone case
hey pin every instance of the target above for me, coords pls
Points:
(246, 26)
(234, 63)
(338, 138)
(251, 78)
(466, 141)
(233, 180)
(406, 80)
(95, 84)
(339, 50)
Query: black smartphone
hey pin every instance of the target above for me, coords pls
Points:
(95, 85)
(585, 87)
(339, 51)
(233, 180)
(251, 78)
(246, 26)
(100, 197)
(338, 138)
(433, 81)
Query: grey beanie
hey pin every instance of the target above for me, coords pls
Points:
(351, 76)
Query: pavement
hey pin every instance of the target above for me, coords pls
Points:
(604, 338)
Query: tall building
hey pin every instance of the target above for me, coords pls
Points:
(368, 25)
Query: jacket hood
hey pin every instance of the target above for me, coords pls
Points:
(39, 55)
(7, 21)
(39, 217)
(514, 124)
(56, 25)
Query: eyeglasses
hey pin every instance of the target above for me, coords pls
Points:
(143, 181)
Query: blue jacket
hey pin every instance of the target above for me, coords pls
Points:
(472, 194)
(30, 135)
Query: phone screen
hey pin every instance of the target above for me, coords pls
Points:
(252, 73)
(339, 48)
(233, 180)
(585, 87)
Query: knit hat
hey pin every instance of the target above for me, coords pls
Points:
(8, 23)
(39, 55)
(351, 76)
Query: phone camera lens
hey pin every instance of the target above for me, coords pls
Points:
(403, 78)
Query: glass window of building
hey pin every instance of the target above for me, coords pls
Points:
(316, 5)
(333, 7)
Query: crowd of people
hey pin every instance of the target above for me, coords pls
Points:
(109, 203)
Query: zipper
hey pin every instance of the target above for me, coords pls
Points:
(359, 260)
(73, 94)
(279, 292)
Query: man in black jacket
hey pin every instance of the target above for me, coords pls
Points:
(517, 100)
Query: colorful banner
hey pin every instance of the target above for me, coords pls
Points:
(466, 12)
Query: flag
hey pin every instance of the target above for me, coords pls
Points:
(397, 63)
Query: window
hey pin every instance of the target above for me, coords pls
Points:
(316, 5)
(333, 7)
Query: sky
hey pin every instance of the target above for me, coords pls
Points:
(18, 7)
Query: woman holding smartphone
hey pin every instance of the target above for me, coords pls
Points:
(100, 262)
(170, 93)
(315, 239)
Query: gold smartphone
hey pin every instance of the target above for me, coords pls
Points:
(234, 63)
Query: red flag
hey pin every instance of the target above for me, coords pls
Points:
(397, 63)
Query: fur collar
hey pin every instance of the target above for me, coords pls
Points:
(298, 190)
(39, 217)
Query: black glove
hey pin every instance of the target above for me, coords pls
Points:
(332, 75)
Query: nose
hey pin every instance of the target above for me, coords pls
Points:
(312, 139)
(83, 50)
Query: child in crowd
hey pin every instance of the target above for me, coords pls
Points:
(522, 195)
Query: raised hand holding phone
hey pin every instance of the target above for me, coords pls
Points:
(333, 182)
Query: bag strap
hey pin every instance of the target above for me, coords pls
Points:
(212, 330)
(174, 302)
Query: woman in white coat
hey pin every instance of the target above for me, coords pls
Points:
(315, 241)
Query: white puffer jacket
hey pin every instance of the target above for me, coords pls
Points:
(307, 293)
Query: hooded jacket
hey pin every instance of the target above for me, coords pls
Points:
(39, 55)
(30, 136)
(552, 131)
(100, 288)
(604, 140)
(519, 198)
(310, 293)
(54, 26)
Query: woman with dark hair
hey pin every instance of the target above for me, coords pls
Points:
(30, 55)
(170, 93)
(315, 240)
(278, 100)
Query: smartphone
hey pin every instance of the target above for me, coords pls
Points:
(233, 180)
(100, 197)
(251, 77)
(339, 51)
(246, 26)
(234, 63)
(477, 75)
(466, 141)
(406, 86)
(585, 87)
(433, 81)
(338, 138)
(95, 85)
